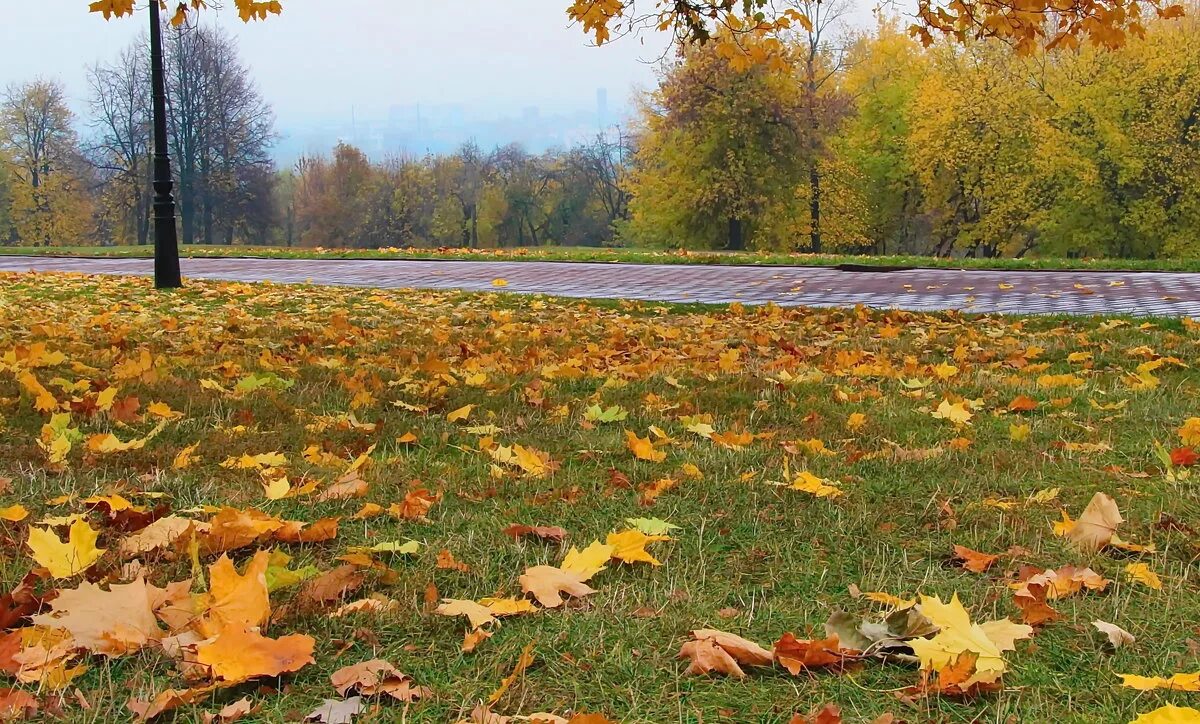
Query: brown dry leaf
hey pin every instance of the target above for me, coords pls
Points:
(332, 585)
(115, 622)
(828, 714)
(238, 654)
(349, 485)
(1117, 636)
(1097, 524)
(973, 560)
(446, 562)
(166, 701)
(332, 711)
(1034, 609)
(320, 531)
(375, 677)
(478, 614)
(416, 504)
(159, 534)
(1061, 583)
(523, 662)
(548, 584)
(1022, 403)
(545, 532)
(707, 657)
(377, 603)
(796, 655)
(17, 705)
(233, 712)
(713, 650)
(232, 528)
(473, 638)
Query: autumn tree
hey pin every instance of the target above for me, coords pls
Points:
(329, 195)
(974, 124)
(49, 197)
(718, 146)
(821, 61)
(220, 132)
(120, 140)
(884, 69)
(1121, 146)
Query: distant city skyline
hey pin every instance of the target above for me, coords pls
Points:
(416, 129)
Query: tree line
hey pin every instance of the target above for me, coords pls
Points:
(864, 142)
(873, 143)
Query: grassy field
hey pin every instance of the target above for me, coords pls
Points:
(630, 256)
(438, 389)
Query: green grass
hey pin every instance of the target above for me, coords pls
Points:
(628, 256)
(751, 558)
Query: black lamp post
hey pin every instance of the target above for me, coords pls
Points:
(166, 239)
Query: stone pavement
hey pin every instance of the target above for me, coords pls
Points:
(1028, 292)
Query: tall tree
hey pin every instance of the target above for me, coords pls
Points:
(220, 127)
(821, 62)
(36, 133)
(120, 122)
(718, 147)
(884, 70)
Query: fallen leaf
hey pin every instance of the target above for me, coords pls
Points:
(548, 584)
(1097, 524)
(629, 546)
(332, 711)
(238, 654)
(973, 560)
(1141, 573)
(65, 559)
(1175, 682)
(724, 653)
(113, 623)
(797, 655)
(545, 532)
(1117, 636)
(589, 561)
(1170, 714)
(523, 662)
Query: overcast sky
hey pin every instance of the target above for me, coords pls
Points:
(323, 56)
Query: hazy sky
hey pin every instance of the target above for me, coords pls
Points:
(323, 56)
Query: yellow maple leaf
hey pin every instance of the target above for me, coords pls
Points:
(1189, 432)
(477, 614)
(65, 559)
(237, 599)
(1141, 573)
(44, 400)
(1170, 714)
(630, 546)
(956, 413)
(14, 513)
(806, 482)
(238, 654)
(958, 636)
(460, 414)
(589, 561)
(642, 448)
(1176, 682)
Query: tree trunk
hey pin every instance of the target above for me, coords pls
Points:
(737, 240)
(814, 206)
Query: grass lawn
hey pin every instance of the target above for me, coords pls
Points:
(629, 256)
(733, 400)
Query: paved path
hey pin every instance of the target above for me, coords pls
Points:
(1074, 292)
